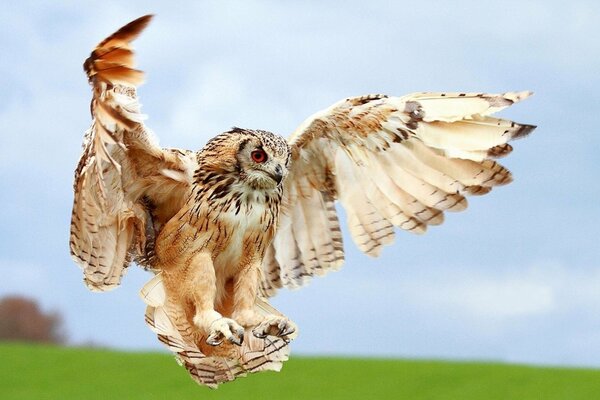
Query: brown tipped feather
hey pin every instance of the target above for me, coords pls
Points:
(524, 131)
(126, 33)
(477, 190)
(499, 151)
(119, 56)
(120, 74)
(112, 60)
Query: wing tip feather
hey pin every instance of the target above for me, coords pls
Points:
(129, 31)
(516, 97)
(119, 69)
(524, 130)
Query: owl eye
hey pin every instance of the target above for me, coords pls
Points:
(259, 156)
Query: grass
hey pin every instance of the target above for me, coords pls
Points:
(44, 372)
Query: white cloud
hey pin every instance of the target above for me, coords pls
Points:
(482, 293)
(487, 297)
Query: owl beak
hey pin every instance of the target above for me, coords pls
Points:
(277, 175)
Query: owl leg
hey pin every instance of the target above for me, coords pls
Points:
(245, 292)
(201, 283)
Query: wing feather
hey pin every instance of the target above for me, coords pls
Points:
(122, 168)
(404, 201)
(318, 230)
(369, 229)
(389, 161)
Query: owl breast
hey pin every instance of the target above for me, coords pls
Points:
(243, 227)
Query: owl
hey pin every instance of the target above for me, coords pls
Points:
(224, 228)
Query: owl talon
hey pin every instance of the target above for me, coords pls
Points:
(275, 326)
(258, 334)
(287, 331)
(237, 340)
(225, 328)
(214, 339)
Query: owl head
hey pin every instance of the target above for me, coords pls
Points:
(263, 158)
(257, 159)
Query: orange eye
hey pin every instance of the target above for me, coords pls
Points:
(259, 156)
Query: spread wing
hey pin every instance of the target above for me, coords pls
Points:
(125, 184)
(391, 162)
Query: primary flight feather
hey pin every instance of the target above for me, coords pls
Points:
(223, 228)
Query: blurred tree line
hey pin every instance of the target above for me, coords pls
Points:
(22, 319)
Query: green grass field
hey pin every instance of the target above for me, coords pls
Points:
(40, 372)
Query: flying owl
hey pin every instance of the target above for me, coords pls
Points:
(223, 228)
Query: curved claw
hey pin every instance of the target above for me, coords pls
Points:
(215, 339)
(286, 331)
(259, 333)
(276, 326)
(238, 337)
(225, 328)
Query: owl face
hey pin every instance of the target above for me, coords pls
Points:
(263, 159)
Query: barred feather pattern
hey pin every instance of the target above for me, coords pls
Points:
(390, 162)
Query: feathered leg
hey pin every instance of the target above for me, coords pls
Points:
(201, 286)
(246, 286)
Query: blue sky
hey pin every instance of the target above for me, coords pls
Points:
(516, 277)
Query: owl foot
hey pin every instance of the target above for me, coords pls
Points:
(275, 326)
(225, 328)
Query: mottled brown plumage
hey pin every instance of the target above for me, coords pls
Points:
(225, 227)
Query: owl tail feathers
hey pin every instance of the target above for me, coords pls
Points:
(255, 355)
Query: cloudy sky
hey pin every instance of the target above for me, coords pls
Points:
(516, 277)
